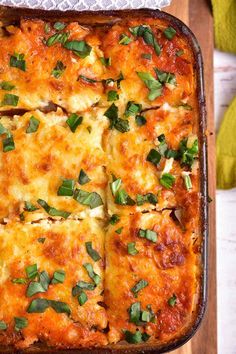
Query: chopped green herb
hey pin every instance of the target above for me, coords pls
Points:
(10, 100)
(30, 207)
(105, 61)
(52, 211)
(132, 109)
(83, 177)
(47, 28)
(136, 337)
(115, 185)
(131, 248)
(8, 144)
(141, 284)
(114, 219)
(148, 234)
(3, 326)
(186, 106)
(31, 271)
(135, 312)
(148, 36)
(165, 77)
(147, 198)
(147, 56)
(121, 125)
(82, 285)
(20, 323)
(41, 239)
(41, 305)
(154, 157)
(87, 79)
(67, 188)
(17, 61)
(110, 81)
(140, 120)
(169, 32)
(154, 86)
(112, 95)
(74, 121)
(167, 180)
(35, 288)
(79, 48)
(188, 155)
(59, 307)
(57, 38)
(7, 86)
(33, 125)
(82, 298)
(124, 39)
(122, 198)
(92, 252)
(118, 231)
(95, 277)
(19, 281)
(179, 52)
(59, 26)
(58, 70)
(172, 300)
(58, 277)
(93, 199)
(187, 181)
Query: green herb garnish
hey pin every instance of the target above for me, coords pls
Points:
(33, 125)
(20, 323)
(66, 188)
(132, 109)
(17, 61)
(172, 300)
(124, 39)
(167, 180)
(52, 211)
(91, 199)
(154, 86)
(131, 248)
(169, 32)
(58, 69)
(10, 100)
(79, 48)
(114, 219)
(58, 277)
(95, 277)
(74, 121)
(148, 36)
(141, 284)
(92, 252)
(112, 95)
(83, 177)
(7, 86)
(148, 234)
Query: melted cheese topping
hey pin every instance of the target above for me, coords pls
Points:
(63, 249)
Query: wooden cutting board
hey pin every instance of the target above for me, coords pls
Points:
(197, 15)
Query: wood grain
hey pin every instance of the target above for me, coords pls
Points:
(197, 14)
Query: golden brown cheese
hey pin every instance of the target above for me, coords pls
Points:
(62, 248)
(127, 155)
(35, 169)
(169, 268)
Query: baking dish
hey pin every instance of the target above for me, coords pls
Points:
(9, 16)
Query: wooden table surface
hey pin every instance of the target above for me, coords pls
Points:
(197, 15)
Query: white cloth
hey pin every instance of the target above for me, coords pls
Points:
(92, 5)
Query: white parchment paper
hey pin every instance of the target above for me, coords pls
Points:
(91, 5)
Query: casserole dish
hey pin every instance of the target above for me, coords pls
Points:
(140, 218)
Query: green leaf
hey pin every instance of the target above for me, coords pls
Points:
(92, 252)
(122, 198)
(31, 271)
(83, 177)
(17, 61)
(60, 307)
(140, 120)
(154, 157)
(154, 86)
(57, 38)
(172, 300)
(166, 77)
(124, 39)
(167, 180)
(19, 281)
(79, 48)
(33, 125)
(20, 323)
(114, 219)
(112, 95)
(82, 285)
(8, 144)
(52, 211)
(118, 231)
(179, 53)
(7, 86)
(141, 284)
(147, 56)
(148, 234)
(3, 326)
(82, 298)
(10, 100)
(38, 306)
(135, 312)
(58, 277)
(115, 185)
(58, 69)
(44, 280)
(67, 188)
(95, 277)
(59, 26)
(132, 109)
(148, 36)
(147, 198)
(74, 121)
(34, 288)
(169, 32)
(105, 61)
(131, 248)
(30, 207)
(136, 337)
(93, 199)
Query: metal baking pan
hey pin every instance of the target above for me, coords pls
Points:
(10, 15)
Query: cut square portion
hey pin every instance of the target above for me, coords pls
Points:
(153, 274)
(150, 163)
(53, 160)
(41, 264)
(44, 65)
(155, 69)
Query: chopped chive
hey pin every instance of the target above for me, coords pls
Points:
(8, 144)
(141, 284)
(169, 32)
(187, 181)
(30, 207)
(47, 28)
(52, 211)
(74, 121)
(83, 177)
(40, 305)
(167, 180)
(19, 281)
(58, 277)
(20, 323)
(147, 56)
(82, 285)
(33, 125)
(115, 185)
(140, 120)
(172, 300)
(165, 77)
(179, 53)
(17, 61)
(10, 100)
(105, 61)
(58, 69)
(118, 231)
(112, 95)
(135, 312)
(132, 109)
(148, 234)
(67, 188)
(147, 198)
(136, 337)
(82, 298)
(57, 38)
(122, 198)
(79, 48)
(3, 326)
(148, 36)
(7, 86)
(93, 199)
(131, 248)
(31, 271)
(154, 157)
(92, 252)
(95, 277)
(154, 86)
(59, 26)
(114, 219)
